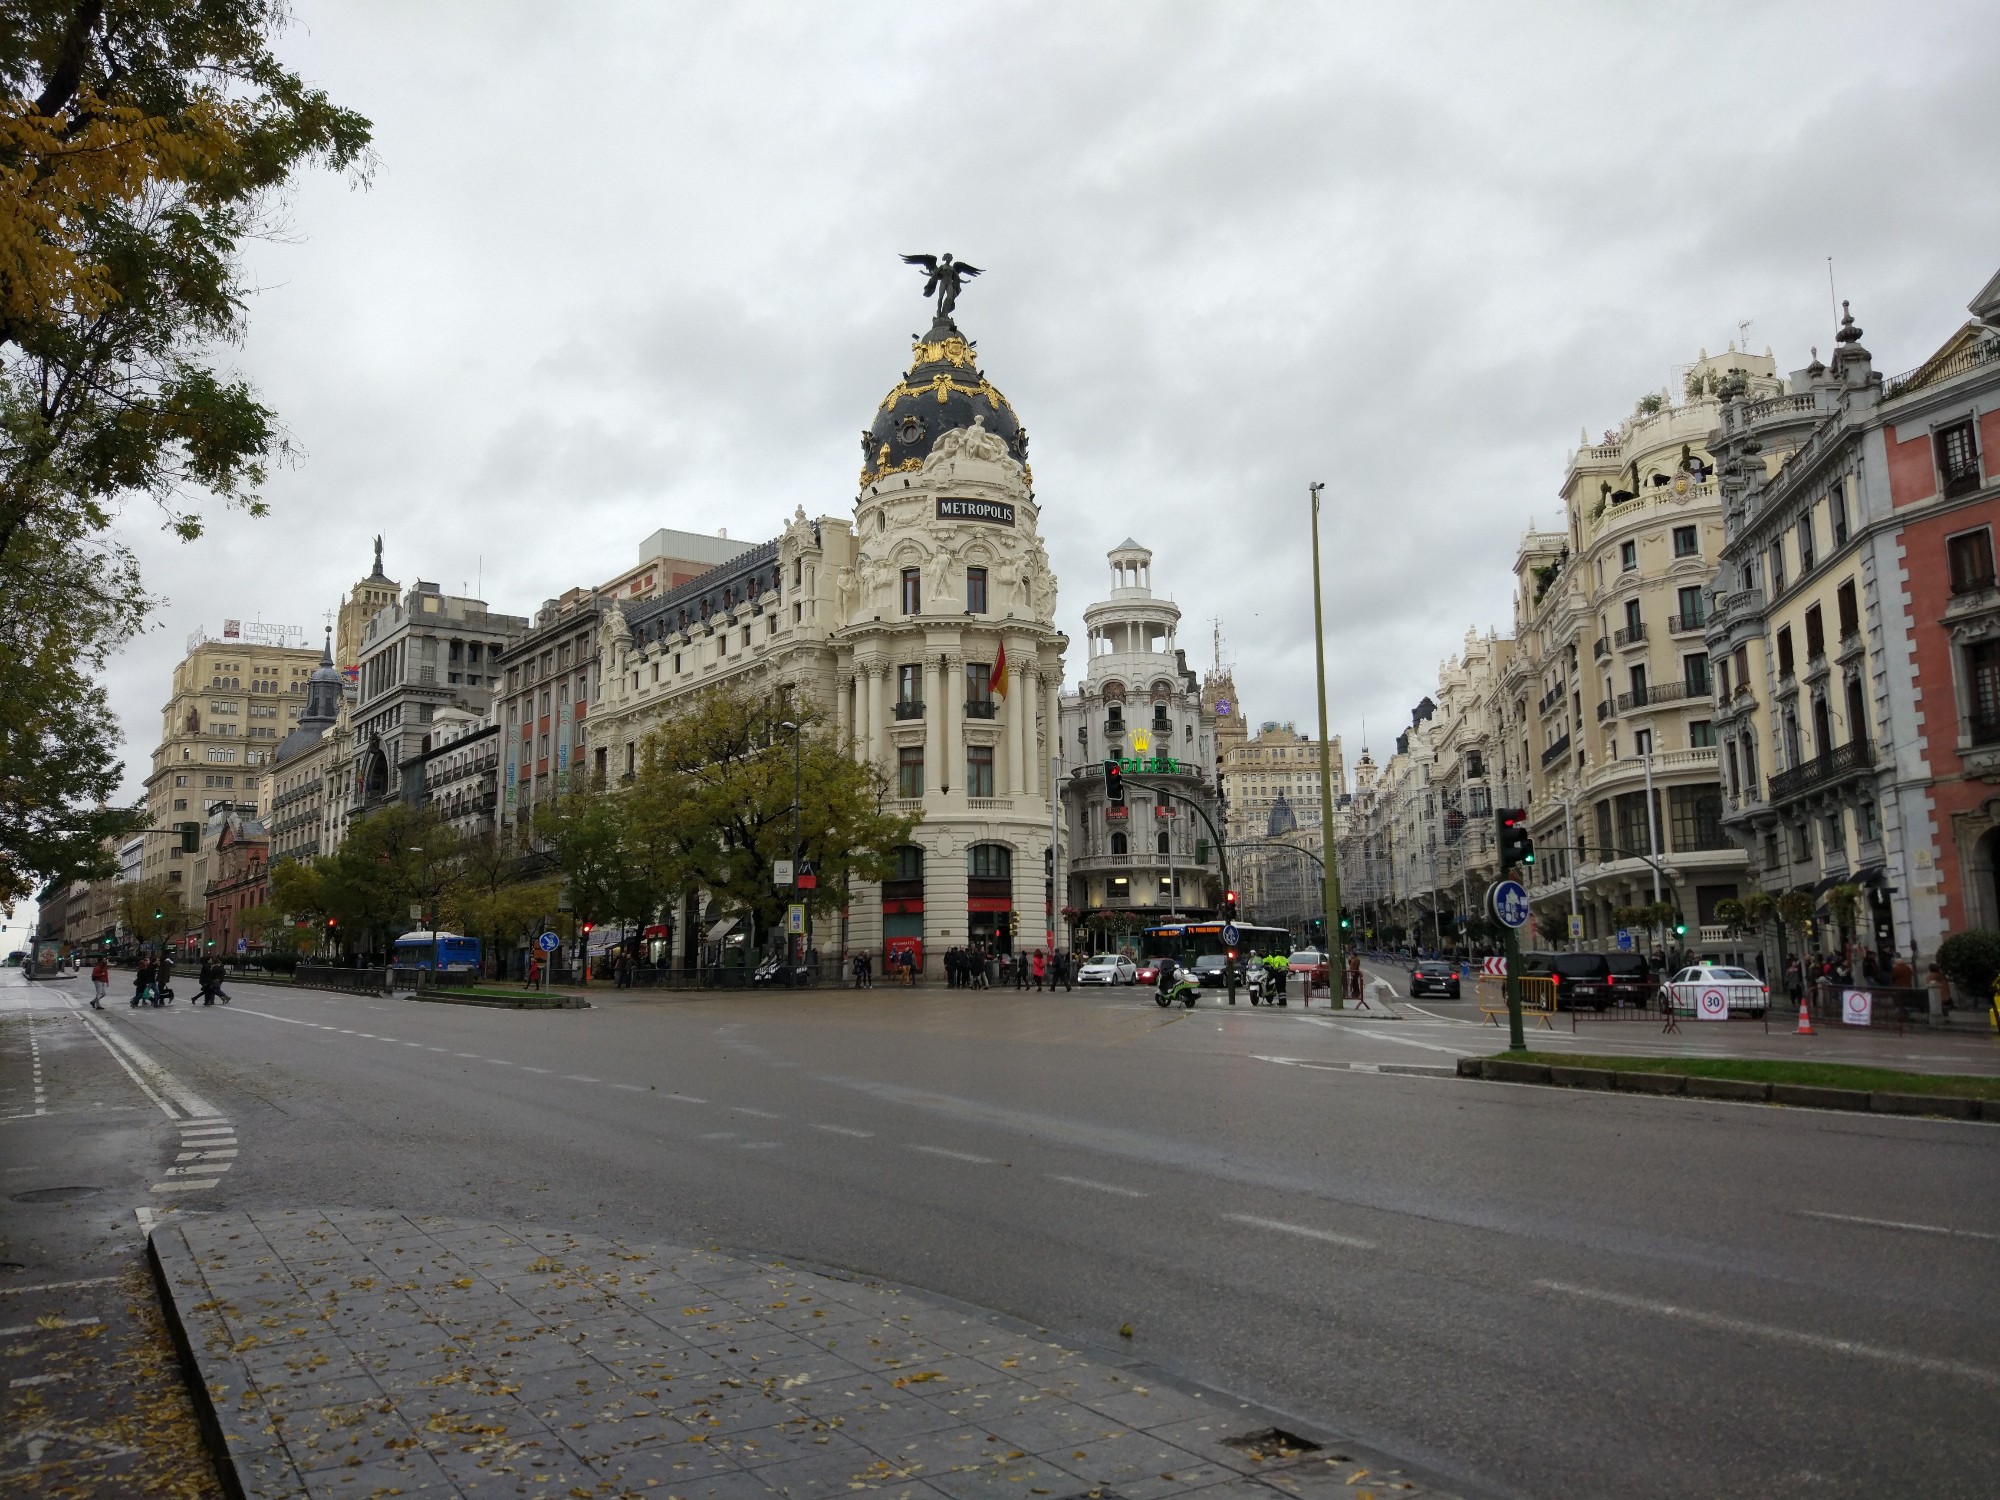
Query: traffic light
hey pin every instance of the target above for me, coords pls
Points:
(1516, 848)
(1345, 921)
(586, 928)
(331, 923)
(1229, 906)
(190, 838)
(1114, 784)
(159, 915)
(1319, 927)
(1680, 927)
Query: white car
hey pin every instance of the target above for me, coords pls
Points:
(1108, 968)
(1743, 992)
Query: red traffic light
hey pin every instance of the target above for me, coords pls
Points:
(587, 926)
(1230, 898)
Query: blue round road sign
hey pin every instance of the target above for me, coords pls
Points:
(1229, 934)
(548, 942)
(1510, 903)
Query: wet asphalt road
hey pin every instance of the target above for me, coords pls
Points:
(1533, 1291)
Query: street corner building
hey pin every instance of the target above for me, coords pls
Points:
(924, 629)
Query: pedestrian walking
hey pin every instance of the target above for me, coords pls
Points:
(100, 981)
(142, 982)
(163, 981)
(1041, 965)
(1063, 969)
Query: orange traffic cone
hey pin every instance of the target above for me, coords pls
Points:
(1805, 1020)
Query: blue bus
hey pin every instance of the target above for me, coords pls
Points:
(441, 952)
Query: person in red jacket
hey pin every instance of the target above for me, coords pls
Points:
(1041, 967)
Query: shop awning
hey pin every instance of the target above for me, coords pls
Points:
(721, 929)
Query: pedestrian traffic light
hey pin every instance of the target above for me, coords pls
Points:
(1114, 784)
(1516, 848)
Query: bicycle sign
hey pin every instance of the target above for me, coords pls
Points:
(1510, 903)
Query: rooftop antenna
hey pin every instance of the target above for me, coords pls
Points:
(1832, 302)
(481, 574)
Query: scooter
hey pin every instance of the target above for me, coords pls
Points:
(1187, 991)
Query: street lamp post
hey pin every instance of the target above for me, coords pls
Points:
(1330, 884)
(798, 753)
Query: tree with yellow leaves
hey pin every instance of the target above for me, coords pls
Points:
(140, 142)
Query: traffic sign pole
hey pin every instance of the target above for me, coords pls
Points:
(1509, 902)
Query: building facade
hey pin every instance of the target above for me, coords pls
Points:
(292, 801)
(238, 888)
(233, 700)
(461, 774)
(1139, 705)
(551, 675)
(1856, 633)
(668, 559)
(424, 653)
(923, 627)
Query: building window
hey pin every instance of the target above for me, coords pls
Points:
(1836, 509)
(1163, 840)
(1687, 542)
(909, 685)
(1696, 814)
(1815, 634)
(979, 771)
(1971, 555)
(1632, 620)
(1805, 544)
(1628, 556)
(1785, 664)
(1691, 615)
(1777, 568)
(1118, 843)
(1982, 681)
(979, 688)
(910, 771)
(975, 591)
(913, 591)
(1958, 459)
(1701, 736)
(990, 862)
(1694, 674)
(1850, 611)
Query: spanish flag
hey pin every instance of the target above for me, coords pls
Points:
(996, 684)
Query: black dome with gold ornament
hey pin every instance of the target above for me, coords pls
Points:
(943, 390)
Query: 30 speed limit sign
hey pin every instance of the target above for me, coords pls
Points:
(1712, 1005)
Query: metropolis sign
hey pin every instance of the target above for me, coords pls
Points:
(993, 512)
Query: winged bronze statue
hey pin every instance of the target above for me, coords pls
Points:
(946, 277)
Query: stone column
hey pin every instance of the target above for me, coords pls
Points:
(866, 735)
(1031, 775)
(933, 724)
(842, 707)
(878, 674)
(951, 752)
(1053, 692)
(1016, 701)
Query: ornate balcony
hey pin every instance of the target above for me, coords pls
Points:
(1555, 752)
(1629, 635)
(913, 709)
(979, 708)
(1842, 760)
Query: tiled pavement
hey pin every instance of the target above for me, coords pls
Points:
(354, 1353)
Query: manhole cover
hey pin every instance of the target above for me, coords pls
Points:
(55, 1194)
(1272, 1445)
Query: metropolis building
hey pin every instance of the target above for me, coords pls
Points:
(924, 627)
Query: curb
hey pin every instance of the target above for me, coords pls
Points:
(494, 1002)
(206, 1417)
(1741, 1090)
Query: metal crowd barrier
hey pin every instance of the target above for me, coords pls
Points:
(361, 981)
(1538, 999)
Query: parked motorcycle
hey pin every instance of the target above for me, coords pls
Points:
(1185, 990)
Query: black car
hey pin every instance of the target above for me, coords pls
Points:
(1582, 981)
(1631, 979)
(1211, 970)
(1434, 976)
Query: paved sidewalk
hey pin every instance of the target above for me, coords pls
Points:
(357, 1353)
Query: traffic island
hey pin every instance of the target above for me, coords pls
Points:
(1801, 1085)
(366, 1353)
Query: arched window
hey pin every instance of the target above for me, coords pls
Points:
(1164, 849)
(990, 862)
(1118, 845)
(909, 863)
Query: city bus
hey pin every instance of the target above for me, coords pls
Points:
(439, 952)
(1184, 942)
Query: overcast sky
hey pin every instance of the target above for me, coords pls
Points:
(630, 267)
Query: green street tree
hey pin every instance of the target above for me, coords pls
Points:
(606, 872)
(153, 911)
(141, 143)
(712, 806)
(503, 895)
(390, 861)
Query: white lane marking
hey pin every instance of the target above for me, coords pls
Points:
(221, 1154)
(1327, 1236)
(1726, 1324)
(434, 1049)
(1379, 1034)
(49, 1325)
(24, 1380)
(203, 1171)
(58, 1286)
(473, 1055)
(581, 1078)
(684, 1098)
(983, 1161)
(368, 1034)
(104, 1035)
(1094, 1186)
(758, 1145)
(530, 1068)
(1969, 1234)
(719, 1135)
(413, 1044)
(187, 1186)
(147, 1219)
(631, 1088)
(1451, 1020)
(859, 1135)
(762, 1114)
(498, 1062)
